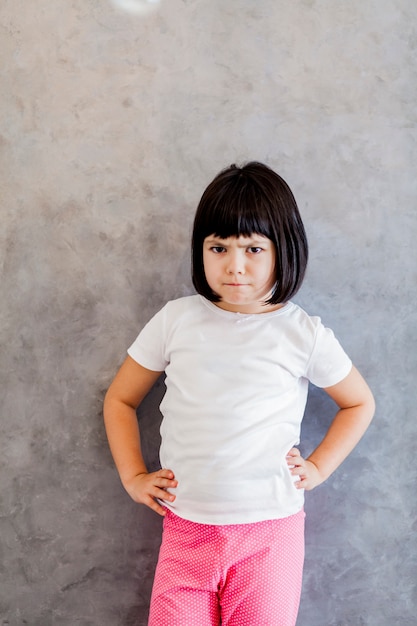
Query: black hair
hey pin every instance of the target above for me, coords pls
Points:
(252, 199)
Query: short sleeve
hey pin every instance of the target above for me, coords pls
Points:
(148, 349)
(328, 364)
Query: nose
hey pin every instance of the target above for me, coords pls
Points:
(235, 262)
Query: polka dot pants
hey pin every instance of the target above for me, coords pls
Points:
(235, 575)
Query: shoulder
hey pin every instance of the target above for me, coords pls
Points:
(185, 302)
(328, 362)
(300, 320)
(183, 305)
(307, 334)
(172, 311)
(179, 312)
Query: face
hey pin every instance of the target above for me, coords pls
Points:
(241, 270)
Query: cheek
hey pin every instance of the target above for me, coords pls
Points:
(208, 268)
(270, 273)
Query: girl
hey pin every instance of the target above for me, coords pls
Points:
(238, 357)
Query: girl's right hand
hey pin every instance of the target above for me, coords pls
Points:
(145, 488)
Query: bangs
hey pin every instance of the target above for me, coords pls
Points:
(240, 211)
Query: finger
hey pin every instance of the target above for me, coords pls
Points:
(150, 486)
(301, 484)
(165, 479)
(293, 452)
(161, 494)
(297, 470)
(164, 483)
(165, 473)
(295, 461)
(294, 458)
(155, 506)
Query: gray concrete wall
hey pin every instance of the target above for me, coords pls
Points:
(111, 126)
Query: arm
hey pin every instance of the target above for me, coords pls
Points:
(356, 409)
(126, 392)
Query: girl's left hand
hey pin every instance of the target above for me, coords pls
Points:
(308, 474)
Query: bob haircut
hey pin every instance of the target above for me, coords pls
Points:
(247, 200)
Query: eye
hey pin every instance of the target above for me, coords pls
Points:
(254, 250)
(217, 249)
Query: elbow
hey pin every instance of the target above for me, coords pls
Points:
(370, 406)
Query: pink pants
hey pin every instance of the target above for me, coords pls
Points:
(237, 575)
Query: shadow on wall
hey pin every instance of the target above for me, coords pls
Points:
(149, 418)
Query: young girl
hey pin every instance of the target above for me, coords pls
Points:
(238, 357)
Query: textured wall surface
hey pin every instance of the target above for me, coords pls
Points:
(112, 124)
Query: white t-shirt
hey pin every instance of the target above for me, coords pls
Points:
(236, 393)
